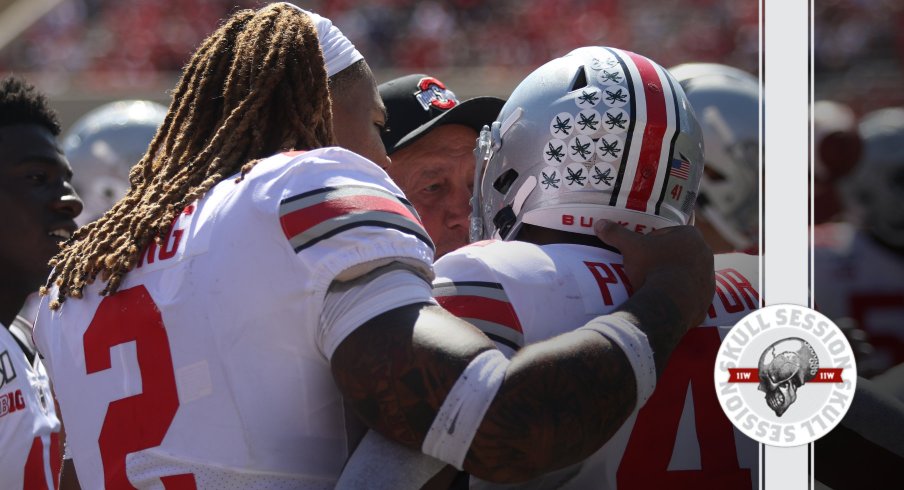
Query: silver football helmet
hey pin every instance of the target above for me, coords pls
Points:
(726, 101)
(598, 133)
(878, 181)
(103, 145)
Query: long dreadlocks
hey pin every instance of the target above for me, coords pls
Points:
(255, 87)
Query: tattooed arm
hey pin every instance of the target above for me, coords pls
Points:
(560, 399)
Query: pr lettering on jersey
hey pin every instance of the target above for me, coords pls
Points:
(7, 371)
(609, 274)
(11, 402)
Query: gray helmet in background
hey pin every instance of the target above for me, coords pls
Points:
(833, 120)
(726, 101)
(598, 133)
(878, 181)
(102, 147)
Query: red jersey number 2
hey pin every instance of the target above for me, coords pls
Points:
(140, 421)
(646, 458)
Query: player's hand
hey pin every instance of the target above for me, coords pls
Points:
(675, 261)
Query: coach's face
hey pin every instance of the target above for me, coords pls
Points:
(358, 118)
(436, 172)
(38, 201)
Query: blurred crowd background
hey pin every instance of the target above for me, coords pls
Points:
(82, 51)
(859, 53)
(90, 49)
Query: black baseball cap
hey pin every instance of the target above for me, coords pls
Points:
(418, 103)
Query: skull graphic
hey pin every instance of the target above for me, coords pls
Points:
(784, 367)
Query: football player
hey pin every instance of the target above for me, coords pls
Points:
(680, 438)
(206, 331)
(726, 101)
(644, 174)
(101, 147)
(40, 206)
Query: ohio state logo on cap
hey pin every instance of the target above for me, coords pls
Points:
(432, 92)
(785, 375)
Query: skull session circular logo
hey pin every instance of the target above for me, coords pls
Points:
(785, 375)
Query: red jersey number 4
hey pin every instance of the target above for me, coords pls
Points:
(649, 451)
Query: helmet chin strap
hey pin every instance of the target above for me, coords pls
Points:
(512, 212)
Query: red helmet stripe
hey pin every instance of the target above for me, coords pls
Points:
(651, 163)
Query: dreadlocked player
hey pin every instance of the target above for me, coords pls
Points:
(200, 146)
(229, 308)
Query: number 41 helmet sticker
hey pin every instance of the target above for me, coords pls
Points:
(785, 375)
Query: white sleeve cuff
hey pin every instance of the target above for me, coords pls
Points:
(458, 419)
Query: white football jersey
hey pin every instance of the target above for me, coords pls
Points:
(30, 454)
(209, 368)
(519, 293)
(856, 277)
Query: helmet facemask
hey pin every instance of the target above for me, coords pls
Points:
(727, 101)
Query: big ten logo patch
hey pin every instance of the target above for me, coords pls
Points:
(7, 371)
(11, 402)
(785, 375)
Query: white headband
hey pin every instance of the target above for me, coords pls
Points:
(338, 52)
